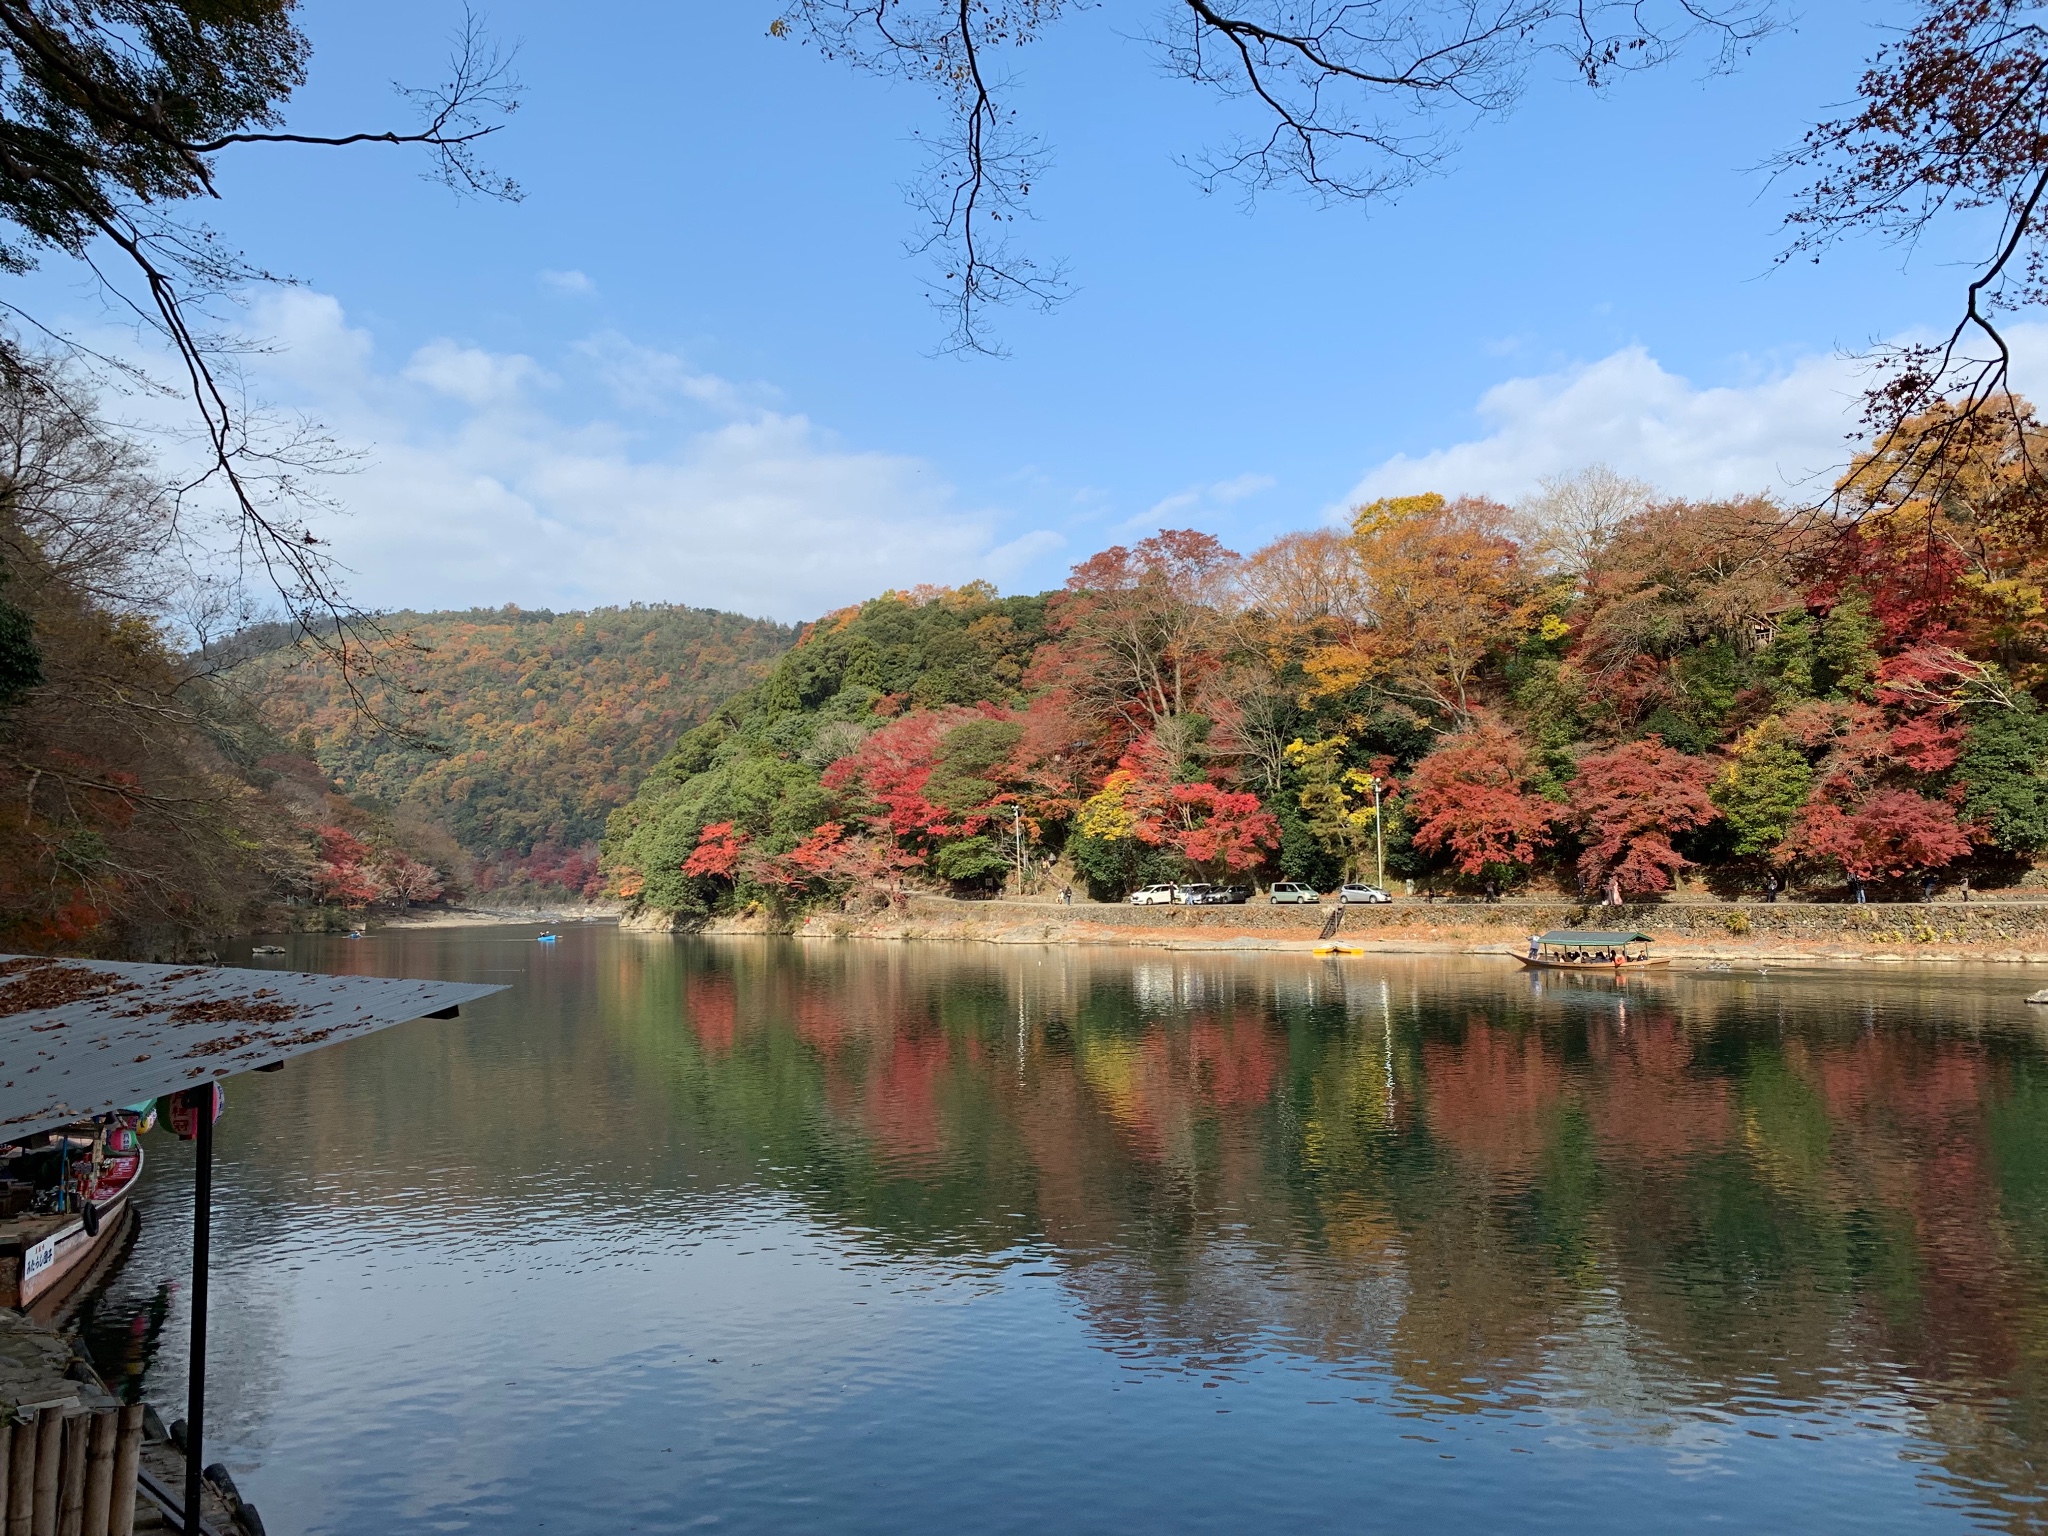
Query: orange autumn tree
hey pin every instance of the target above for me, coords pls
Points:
(1949, 531)
(1447, 587)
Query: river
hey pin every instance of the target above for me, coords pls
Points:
(759, 1236)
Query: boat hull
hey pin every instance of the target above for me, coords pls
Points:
(44, 1260)
(1593, 967)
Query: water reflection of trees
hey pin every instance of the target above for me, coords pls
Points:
(1699, 1195)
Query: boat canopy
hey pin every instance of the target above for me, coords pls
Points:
(1591, 938)
(88, 1036)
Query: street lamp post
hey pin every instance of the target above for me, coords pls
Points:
(1379, 832)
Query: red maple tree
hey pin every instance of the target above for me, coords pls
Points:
(343, 872)
(818, 854)
(717, 852)
(892, 767)
(1889, 833)
(1472, 796)
(1209, 826)
(1214, 828)
(1628, 803)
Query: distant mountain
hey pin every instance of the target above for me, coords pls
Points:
(546, 721)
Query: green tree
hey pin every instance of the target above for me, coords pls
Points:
(967, 775)
(978, 863)
(2004, 770)
(1845, 650)
(1825, 656)
(1112, 867)
(1761, 791)
(1336, 800)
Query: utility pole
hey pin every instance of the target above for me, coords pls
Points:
(1379, 831)
(1017, 834)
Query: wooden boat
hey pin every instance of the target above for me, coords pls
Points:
(45, 1255)
(1592, 951)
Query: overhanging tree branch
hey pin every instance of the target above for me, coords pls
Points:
(110, 118)
(1355, 99)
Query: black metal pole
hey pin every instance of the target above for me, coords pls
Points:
(202, 1237)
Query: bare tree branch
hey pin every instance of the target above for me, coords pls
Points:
(1953, 119)
(1354, 99)
(107, 123)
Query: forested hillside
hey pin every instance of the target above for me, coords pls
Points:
(1597, 691)
(527, 728)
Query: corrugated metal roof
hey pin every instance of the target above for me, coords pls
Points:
(84, 1037)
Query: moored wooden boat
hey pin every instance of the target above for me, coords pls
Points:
(1591, 951)
(46, 1254)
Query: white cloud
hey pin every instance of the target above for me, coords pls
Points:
(1777, 433)
(570, 281)
(1226, 492)
(646, 379)
(615, 473)
(470, 374)
(1194, 500)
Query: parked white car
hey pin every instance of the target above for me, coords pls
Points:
(1154, 896)
(1200, 894)
(1362, 895)
(1284, 891)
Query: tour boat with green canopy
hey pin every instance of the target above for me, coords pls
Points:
(1585, 949)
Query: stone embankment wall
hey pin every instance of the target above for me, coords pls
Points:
(2014, 930)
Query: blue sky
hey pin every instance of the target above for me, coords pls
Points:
(696, 365)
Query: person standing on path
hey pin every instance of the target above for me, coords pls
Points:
(1066, 895)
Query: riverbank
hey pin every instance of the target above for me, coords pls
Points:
(489, 917)
(1787, 932)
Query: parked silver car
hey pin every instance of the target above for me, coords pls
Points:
(1362, 895)
(1284, 891)
(1201, 894)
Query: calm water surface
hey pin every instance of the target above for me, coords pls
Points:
(764, 1237)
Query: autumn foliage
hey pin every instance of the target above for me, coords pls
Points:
(1629, 803)
(1471, 799)
(1598, 690)
(717, 853)
(1890, 833)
